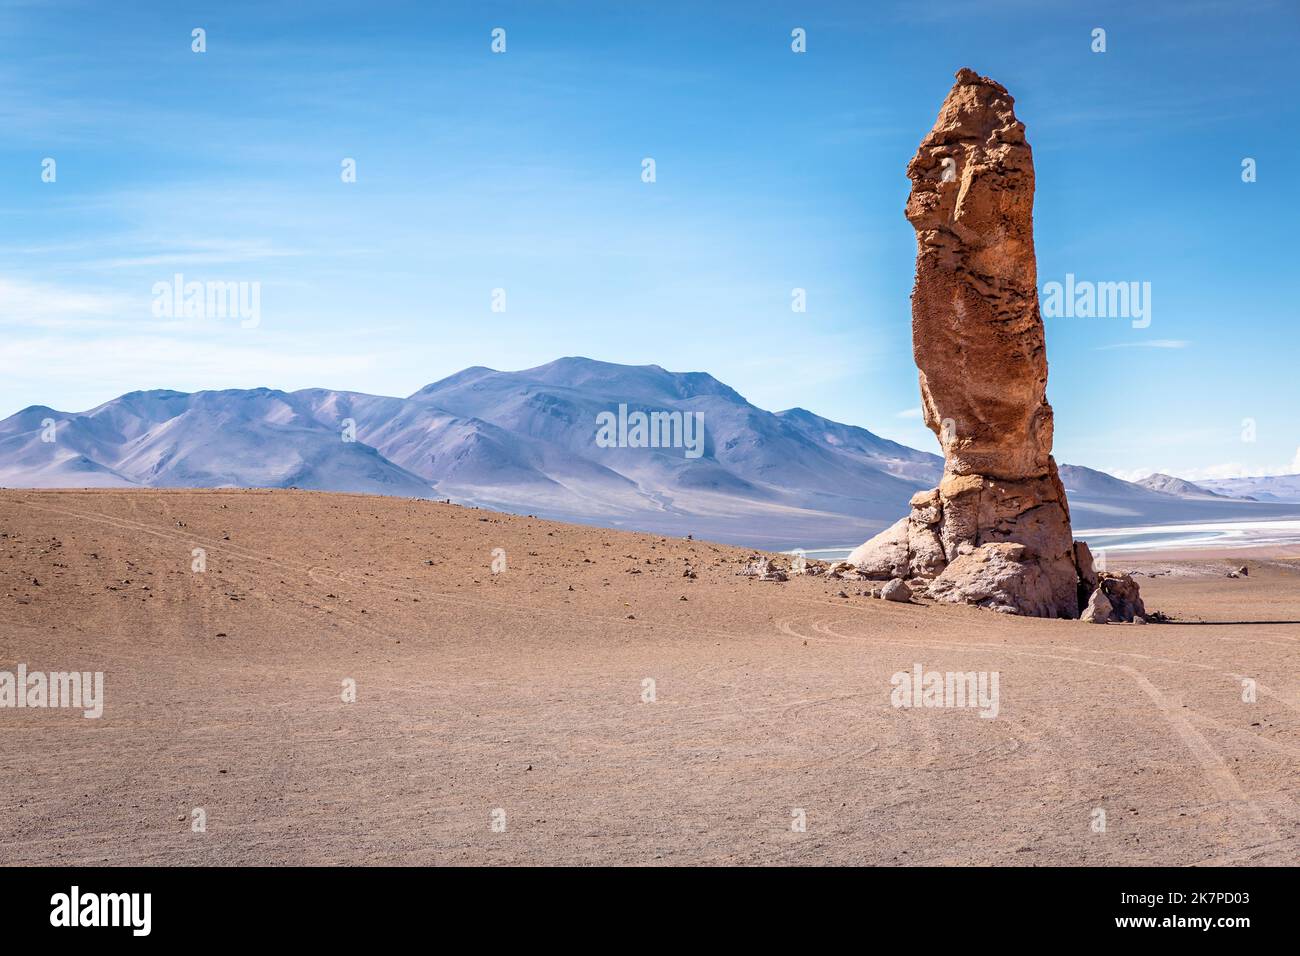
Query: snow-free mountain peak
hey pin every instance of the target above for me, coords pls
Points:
(1175, 486)
(526, 442)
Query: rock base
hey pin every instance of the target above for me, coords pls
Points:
(1003, 545)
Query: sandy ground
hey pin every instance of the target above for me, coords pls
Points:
(518, 697)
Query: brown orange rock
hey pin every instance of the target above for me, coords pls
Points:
(976, 332)
(977, 337)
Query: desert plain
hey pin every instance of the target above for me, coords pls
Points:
(587, 702)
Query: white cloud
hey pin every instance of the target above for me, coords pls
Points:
(46, 306)
(1238, 470)
(909, 413)
(1231, 469)
(1133, 474)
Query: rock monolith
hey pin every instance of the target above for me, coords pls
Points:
(996, 532)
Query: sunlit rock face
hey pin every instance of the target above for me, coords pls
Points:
(977, 337)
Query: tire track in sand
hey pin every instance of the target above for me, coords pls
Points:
(1214, 770)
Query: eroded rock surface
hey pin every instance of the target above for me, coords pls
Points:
(978, 342)
(999, 576)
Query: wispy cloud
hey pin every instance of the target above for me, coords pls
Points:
(144, 361)
(47, 306)
(1238, 470)
(1231, 469)
(1146, 344)
(1132, 474)
(201, 252)
(909, 413)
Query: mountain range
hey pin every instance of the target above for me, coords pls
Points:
(1178, 486)
(527, 442)
(1267, 488)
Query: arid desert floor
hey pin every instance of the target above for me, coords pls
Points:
(500, 718)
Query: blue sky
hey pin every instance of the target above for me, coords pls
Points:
(522, 171)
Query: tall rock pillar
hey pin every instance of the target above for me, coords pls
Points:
(996, 532)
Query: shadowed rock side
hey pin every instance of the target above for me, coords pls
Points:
(996, 532)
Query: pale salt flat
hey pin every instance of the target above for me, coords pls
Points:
(1204, 534)
(1207, 534)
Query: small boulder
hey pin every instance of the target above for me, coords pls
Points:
(1122, 590)
(1098, 610)
(760, 568)
(884, 556)
(844, 570)
(896, 590)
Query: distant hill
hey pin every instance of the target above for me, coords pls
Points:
(1176, 486)
(1098, 500)
(1275, 488)
(526, 442)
